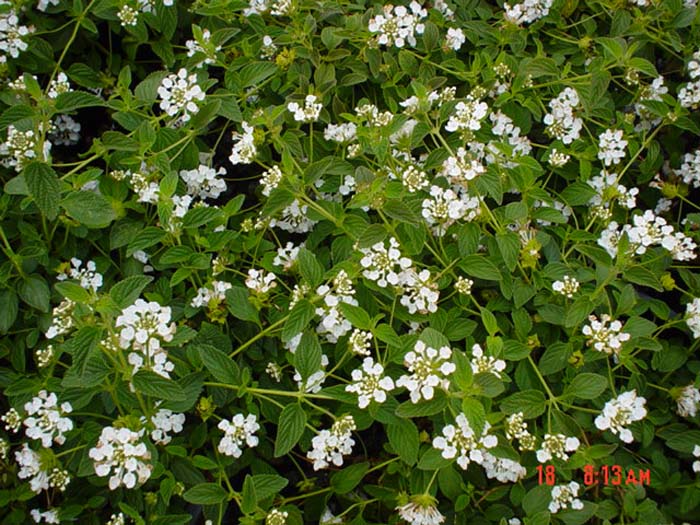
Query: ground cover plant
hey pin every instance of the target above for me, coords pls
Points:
(294, 261)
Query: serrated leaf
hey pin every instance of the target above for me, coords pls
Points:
(530, 402)
(434, 406)
(255, 72)
(403, 438)
(157, 386)
(357, 316)
(587, 386)
(205, 494)
(267, 485)
(34, 291)
(307, 358)
(125, 292)
(480, 267)
(402, 211)
(348, 478)
(73, 100)
(73, 291)
(44, 188)
(89, 208)
(249, 498)
(8, 312)
(310, 269)
(239, 305)
(82, 346)
(298, 320)
(289, 428)
(146, 238)
(219, 364)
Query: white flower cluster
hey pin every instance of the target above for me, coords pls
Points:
(464, 285)
(359, 342)
(611, 146)
(165, 423)
(315, 381)
(649, 92)
(276, 517)
(12, 420)
(329, 446)
(503, 469)
(45, 419)
(203, 47)
(692, 316)
(413, 178)
(21, 147)
(287, 256)
(516, 428)
(238, 431)
(558, 159)
(243, 150)
(420, 292)
(620, 412)
(270, 179)
(445, 207)
(275, 7)
(467, 116)
(528, 11)
(605, 337)
(147, 190)
(59, 86)
(481, 363)
(381, 264)
(144, 326)
(30, 467)
(203, 182)
(62, 319)
(421, 511)
(414, 104)
(557, 446)
(429, 369)
(88, 276)
(398, 26)
(180, 93)
(340, 132)
(268, 47)
(648, 230)
(504, 127)
(49, 516)
(455, 39)
(64, 131)
(294, 219)
(44, 356)
(369, 383)
(562, 122)
(117, 519)
(689, 95)
(333, 324)
(374, 118)
(11, 35)
(308, 113)
(696, 453)
(568, 287)
(687, 401)
(462, 167)
(121, 455)
(260, 282)
(463, 443)
(564, 497)
(690, 169)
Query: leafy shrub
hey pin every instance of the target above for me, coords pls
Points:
(289, 261)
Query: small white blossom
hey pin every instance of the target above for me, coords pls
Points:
(62, 319)
(527, 12)
(568, 287)
(397, 26)
(45, 419)
(64, 131)
(464, 285)
(421, 510)
(260, 282)
(420, 292)
(203, 48)
(557, 446)
(696, 453)
(240, 430)
(359, 342)
(692, 316)
(463, 443)
(214, 295)
(88, 276)
(611, 146)
(12, 35)
(429, 369)
(558, 159)
(467, 115)
(620, 412)
(180, 93)
(203, 182)
(481, 363)
(30, 467)
(121, 455)
(59, 85)
(49, 516)
(333, 323)
(308, 113)
(276, 517)
(503, 469)
(605, 337)
(455, 38)
(166, 422)
(373, 116)
(562, 122)
(688, 400)
(287, 256)
(564, 496)
(462, 168)
(369, 383)
(329, 446)
(382, 264)
(340, 132)
(294, 219)
(21, 147)
(314, 382)
(244, 150)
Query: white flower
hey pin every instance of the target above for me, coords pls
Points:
(516, 428)
(21, 147)
(421, 510)
(467, 115)
(308, 113)
(333, 324)
(381, 264)
(690, 169)
(294, 219)
(620, 412)
(329, 446)
(359, 342)
(287, 256)
(558, 159)
(315, 381)
(238, 431)
(462, 168)
(121, 455)
(340, 132)
(128, 16)
(30, 467)
(260, 282)
(503, 469)
(561, 122)
(117, 519)
(88, 276)
(369, 383)
(49, 516)
(557, 445)
(211, 296)
(45, 420)
(692, 314)
(397, 25)
(420, 292)
(464, 285)
(462, 442)
(144, 326)
(564, 496)
(276, 517)
(429, 369)
(455, 38)
(180, 93)
(373, 116)
(243, 150)
(270, 180)
(12, 420)
(688, 401)
(203, 182)
(481, 363)
(696, 453)
(59, 85)
(166, 422)
(203, 47)
(444, 207)
(568, 287)
(611, 146)
(62, 319)
(603, 337)
(64, 131)
(527, 12)
(12, 35)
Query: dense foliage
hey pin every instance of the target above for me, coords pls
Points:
(294, 261)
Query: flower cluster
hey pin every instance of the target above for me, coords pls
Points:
(607, 189)
(503, 469)
(397, 25)
(122, 455)
(516, 428)
(557, 446)
(481, 363)
(445, 207)
(180, 93)
(421, 510)
(64, 131)
(463, 443)
(696, 463)
(564, 497)
(329, 446)
(603, 337)
(689, 94)
(369, 383)
(212, 296)
(241, 429)
(381, 264)
(333, 323)
(309, 112)
(270, 180)
(527, 12)
(203, 48)
(45, 420)
(562, 122)
(611, 146)
(62, 319)
(165, 423)
(88, 276)
(620, 412)
(12, 35)
(429, 369)
(692, 316)
(467, 116)
(144, 326)
(568, 287)
(203, 182)
(287, 256)
(243, 150)
(359, 342)
(21, 147)
(687, 401)
(260, 282)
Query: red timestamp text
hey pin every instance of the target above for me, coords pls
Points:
(604, 475)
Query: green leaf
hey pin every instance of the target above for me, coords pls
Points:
(555, 358)
(119, 142)
(404, 439)
(73, 100)
(157, 386)
(255, 72)
(249, 498)
(357, 316)
(239, 305)
(125, 292)
(578, 312)
(348, 478)
(8, 312)
(434, 338)
(480, 267)
(13, 114)
(643, 276)
(307, 359)
(289, 428)
(298, 320)
(408, 409)
(73, 291)
(267, 485)
(34, 291)
(44, 188)
(530, 402)
(89, 208)
(489, 321)
(196, 217)
(220, 365)
(147, 90)
(205, 494)
(509, 246)
(82, 346)
(432, 460)
(386, 334)
(310, 269)
(463, 376)
(402, 211)
(146, 238)
(587, 386)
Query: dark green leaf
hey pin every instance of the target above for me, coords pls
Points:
(125, 292)
(34, 291)
(89, 208)
(157, 386)
(44, 188)
(219, 364)
(205, 494)
(587, 386)
(348, 478)
(239, 305)
(403, 437)
(290, 428)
